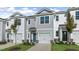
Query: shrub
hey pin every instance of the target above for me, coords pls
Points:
(8, 40)
(26, 42)
(3, 42)
(73, 43)
(32, 43)
(14, 48)
(71, 50)
(60, 42)
(31, 40)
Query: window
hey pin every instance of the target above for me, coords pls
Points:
(41, 20)
(7, 23)
(28, 35)
(77, 14)
(19, 21)
(57, 18)
(44, 19)
(57, 33)
(28, 21)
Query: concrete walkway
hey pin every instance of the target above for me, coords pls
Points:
(41, 47)
(6, 45)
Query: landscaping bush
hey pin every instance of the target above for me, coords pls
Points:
(73, 43)
(8, 40)
(31, 42)
(25, 42)
(14, 48)
(60, 42)
(3, 42)
(71, 50)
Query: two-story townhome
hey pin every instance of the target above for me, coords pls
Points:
(42, 27)
(48, 25)
(21, 28)
(2, 29)
(75, 13)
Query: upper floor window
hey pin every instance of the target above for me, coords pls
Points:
(41, 20)
(77, 14)
(57, 18)
(44, 19)
(28, 21)
(7, 23)
(19, 21)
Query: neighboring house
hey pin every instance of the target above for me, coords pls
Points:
(2, 29)
(44, 26)
(21, 33)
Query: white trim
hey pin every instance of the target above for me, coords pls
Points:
(44, 21)
(45, 29)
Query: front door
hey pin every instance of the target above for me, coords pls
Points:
(34, 37)
(64, 35)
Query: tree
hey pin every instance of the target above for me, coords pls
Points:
(14, 27)
(70, 25)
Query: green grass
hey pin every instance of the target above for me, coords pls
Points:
(21, 46)
(63, 47)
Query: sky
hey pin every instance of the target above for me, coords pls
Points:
(5, 12)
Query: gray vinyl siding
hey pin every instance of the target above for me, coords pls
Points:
(0, 31)
(32, 23)
(41, 26)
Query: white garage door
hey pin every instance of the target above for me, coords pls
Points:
(19, 38)
(44, 38)
(75, 36)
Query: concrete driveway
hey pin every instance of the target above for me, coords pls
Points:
(41, 47)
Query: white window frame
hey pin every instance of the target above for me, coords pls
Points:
(44, 19)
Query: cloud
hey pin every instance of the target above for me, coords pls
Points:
(55, 9)
(34, 8)
(7, 11)
(27, 11)
(11, 9)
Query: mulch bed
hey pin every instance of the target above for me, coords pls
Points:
(71, 50)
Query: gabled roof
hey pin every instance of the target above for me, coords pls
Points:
(44, 9)
(73, 8)
(60, 12)
(18, 14)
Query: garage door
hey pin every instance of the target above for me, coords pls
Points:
(19, 37)
(75, 36)
(44, 38)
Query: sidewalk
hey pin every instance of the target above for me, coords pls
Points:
(6, 45)
(41, 47)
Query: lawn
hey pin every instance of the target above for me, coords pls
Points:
(18, 47)
(64, 47)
